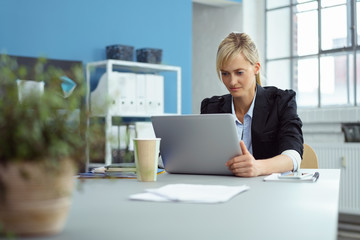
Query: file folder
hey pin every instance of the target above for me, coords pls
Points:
(99, 97)
(154, 94)
(141, 94)
(122, 87)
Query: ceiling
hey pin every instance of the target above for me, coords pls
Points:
(218, 3)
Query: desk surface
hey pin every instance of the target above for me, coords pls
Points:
(269, 210)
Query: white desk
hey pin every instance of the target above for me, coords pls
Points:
(269, 210)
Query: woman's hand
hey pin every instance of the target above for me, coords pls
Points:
(244, 165)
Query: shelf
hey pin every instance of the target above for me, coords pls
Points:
(135, 66)
(135, 115)
(126, 66)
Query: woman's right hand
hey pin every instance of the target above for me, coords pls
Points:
(244, 165)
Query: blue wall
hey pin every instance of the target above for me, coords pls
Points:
(81, 29)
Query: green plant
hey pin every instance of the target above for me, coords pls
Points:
(41, 128)
(41, 136)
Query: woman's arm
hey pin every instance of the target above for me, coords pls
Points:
(276, 126)
(245, 165)
(290, 132)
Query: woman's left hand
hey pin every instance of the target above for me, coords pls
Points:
(244, 165)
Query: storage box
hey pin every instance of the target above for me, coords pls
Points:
(149, 55)
(120, 52)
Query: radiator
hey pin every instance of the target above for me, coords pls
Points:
(344, 156)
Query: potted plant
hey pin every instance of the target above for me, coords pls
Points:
(42, 144)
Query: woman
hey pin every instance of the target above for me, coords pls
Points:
(266, 117)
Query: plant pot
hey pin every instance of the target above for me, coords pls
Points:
(35, 200)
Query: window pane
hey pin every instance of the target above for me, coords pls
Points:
(358, 79)
(306, 7)
(306, 75)
(278, 33)
(351, 84)
(306, 33)
(277, 3)
(334, 80)
(358, 21)
(303, 1)
(278, 74)
(328, 3)
(334, 28)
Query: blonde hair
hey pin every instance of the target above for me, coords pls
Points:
(234, 44)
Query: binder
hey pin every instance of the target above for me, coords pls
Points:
(121, 140)
(122, 137)
(154, 94)
(140, 94)
(122, 87)
(114, 95)
(114, 140)
(128, 94)
(98, 97)
(159, 94)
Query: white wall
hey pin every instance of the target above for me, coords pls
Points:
(254, 25)
(211, 24)
(324, 125)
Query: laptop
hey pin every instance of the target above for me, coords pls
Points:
(197, 144)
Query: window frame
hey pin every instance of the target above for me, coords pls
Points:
(353, 48)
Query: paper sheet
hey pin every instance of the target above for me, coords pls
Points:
(191, 193)
(275, 178)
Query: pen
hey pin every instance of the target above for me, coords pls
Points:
(316, 176)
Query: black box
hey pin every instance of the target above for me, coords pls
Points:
(149, 55)
(351, 132)
(120, 52)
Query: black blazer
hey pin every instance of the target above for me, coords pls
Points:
(275, 126)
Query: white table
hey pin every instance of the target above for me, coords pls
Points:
(269, 210)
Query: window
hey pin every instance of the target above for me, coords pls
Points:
(313, 47)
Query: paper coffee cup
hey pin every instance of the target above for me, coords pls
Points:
(146, 152)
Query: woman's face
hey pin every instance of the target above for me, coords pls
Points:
(239, 76)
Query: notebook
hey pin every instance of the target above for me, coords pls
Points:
(197, 144)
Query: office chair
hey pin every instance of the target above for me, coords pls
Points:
(310, 159)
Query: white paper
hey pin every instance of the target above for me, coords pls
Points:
(144, 130)
(191, 193)
(275, 178)
(29, 88)
(272, 177)
(148, 197)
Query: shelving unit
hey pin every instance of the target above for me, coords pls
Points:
(127, 66)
